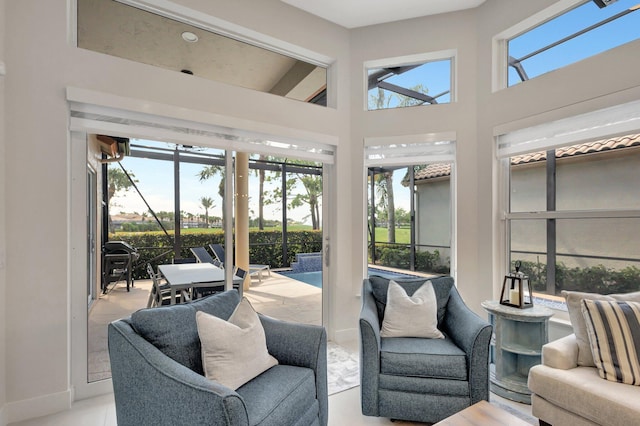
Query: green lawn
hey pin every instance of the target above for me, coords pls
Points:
(403, 235)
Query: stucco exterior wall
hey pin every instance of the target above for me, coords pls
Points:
(3, 239)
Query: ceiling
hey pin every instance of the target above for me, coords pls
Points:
(360, 13)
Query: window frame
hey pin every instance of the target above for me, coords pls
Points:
(614, 121)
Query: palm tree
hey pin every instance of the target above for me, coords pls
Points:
(207, 203)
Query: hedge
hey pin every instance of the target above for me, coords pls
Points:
(265, 247)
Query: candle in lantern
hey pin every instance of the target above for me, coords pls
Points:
(514, 296)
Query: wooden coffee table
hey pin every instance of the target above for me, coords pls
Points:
(482, 414)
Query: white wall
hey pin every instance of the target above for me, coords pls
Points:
(417, 36)
(43, 64)
(3, 281)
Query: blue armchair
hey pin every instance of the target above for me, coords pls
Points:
(419, 379)
(158, 377)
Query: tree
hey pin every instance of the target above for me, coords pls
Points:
(385, 193)
(117, 182)
(312, 195)
(207, 203)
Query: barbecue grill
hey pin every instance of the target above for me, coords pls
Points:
(118, 260)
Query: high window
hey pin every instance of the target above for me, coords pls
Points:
(583, 31)
(573, 209)
(412, 82)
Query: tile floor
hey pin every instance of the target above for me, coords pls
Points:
(276, 296)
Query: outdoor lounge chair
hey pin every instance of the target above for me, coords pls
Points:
(254, 269)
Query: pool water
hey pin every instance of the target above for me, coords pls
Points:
(315, 278)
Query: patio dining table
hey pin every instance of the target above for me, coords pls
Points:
(191, 275)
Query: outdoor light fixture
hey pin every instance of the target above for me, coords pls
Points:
(516, 290)
(603, 3)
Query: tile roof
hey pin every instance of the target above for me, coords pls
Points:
(433, 171)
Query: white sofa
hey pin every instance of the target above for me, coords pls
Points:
(564, 393)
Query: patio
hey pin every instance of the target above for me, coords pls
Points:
(277, 296)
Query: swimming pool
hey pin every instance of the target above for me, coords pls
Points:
(315, 277)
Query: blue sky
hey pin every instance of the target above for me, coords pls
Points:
(155, 181)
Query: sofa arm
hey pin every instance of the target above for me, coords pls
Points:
(149, 387)
(472, 334)
(369, 352)
(302, 345)
(561, 353)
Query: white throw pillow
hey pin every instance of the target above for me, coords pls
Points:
(233, 351)
(415, 316)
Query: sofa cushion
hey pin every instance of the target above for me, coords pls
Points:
(581, 391)
(614, 334)
(441, 287)
(431, 358)
(172, 329)
(574, 306)
(280, 396)
(233, 351)
(411, 316)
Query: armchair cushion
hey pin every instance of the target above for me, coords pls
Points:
(440, 359)
(411, 316)
(291, 391)
(233, 351)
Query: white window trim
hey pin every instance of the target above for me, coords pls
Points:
(407, 150)
(603, 123)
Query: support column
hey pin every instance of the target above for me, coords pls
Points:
(242, 215)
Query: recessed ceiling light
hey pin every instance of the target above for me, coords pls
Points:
(189, 36)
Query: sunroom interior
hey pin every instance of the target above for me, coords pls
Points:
(55, 93)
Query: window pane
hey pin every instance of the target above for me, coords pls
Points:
(421, 84)
(603, 178)
(592, 255)
(116, 29)
(528, 189)
(600, 175)
(391, 235)
(600, 39)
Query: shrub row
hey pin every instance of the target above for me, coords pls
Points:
(594, 279)
(265, 247)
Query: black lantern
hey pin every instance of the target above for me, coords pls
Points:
(516, 290)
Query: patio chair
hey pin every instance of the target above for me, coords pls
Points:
(202, 255)
(160, 293)
(200, 292)
(254, 269)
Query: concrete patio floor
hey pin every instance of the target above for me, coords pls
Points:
(276, 296)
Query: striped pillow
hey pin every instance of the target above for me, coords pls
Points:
(614, 335)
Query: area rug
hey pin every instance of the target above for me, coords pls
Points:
(343, 371)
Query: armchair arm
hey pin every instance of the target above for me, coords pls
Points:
(561, 353)
(149, 387)
(472, 334)
(301, 345)
(369, 351)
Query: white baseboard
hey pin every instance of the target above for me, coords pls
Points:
(345, 335)
(38, 407)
